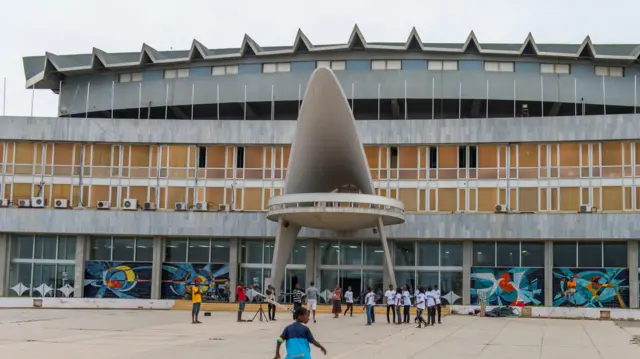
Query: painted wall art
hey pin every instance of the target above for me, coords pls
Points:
(117, 280)
(176, 277)
(507, 286)
(595, 287)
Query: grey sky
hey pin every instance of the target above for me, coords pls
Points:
(75, 26)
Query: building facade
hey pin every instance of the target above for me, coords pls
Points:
(516, 164)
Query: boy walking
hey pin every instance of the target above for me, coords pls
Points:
(297, 299)
(312, 299)
(420, 305)
(370, 301)
(297, 337)
(391, 303)
(431, 307)
(436, 292)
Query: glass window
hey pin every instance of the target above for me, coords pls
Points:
(65, 280)
(136, 76)
(373, 254)
(176, 250)
(590, 254)
(22, 247)
(320, 64)
(506, 67)
(268, 68)
(428, 253)
(198, 250)
(144, 250)
(183, 73)
(407, 279)
(434, 65)
(602, 71)
(615, 254)
(253, 277)
(46, 247)
(299, 252)
(44, 280)
(616, 71)
(564, 254)
(563, 68)
(394, 65)
(100, 249)
(450, 254)
(484, 254)
(378, 65)
(351, 253)
(252, 251)
(269, 247)
(353, 279)
(546, 68)
(232, 70)
(451, 287)
(491, 66)
(532, 254)
(284, 67)
(427, 279)
(218, 71)
(449, 65)
(220, 251)
(123, 249)
(329, 252)
(328, 280)
(67, 247)
(508, 254)
(124, 78)
(20, 279)
(338, 65)
(170, 74)
(373, 279)
(405, 254)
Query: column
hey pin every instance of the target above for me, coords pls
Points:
(467, 261)
(285, 237)
(311, 262)
(82, 251)
(632, 255)
(386, 279)
(548, 273)
(156, 267)
(4, 263)
(388, 267)
(234, 264)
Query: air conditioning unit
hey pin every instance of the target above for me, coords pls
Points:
(224, 208)
(60, 203)
(501, 208)
(180, 206)
(103, 205)
(24, 203)
(149, 206)
(4, 202)
(200, 206)
(585, 208)
(130, 204)
(37, 202)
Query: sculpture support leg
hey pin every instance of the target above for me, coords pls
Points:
(387, 253)
(285, 238)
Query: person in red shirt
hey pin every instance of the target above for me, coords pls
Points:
(242, 299)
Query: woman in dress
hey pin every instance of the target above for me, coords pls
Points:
(337, 294)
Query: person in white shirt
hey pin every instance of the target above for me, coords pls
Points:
(431, 306)
(420, 305)
(370, 301)
(398, 302)
(406, 301)
(436, 292)
(391, 301)
(348, 298)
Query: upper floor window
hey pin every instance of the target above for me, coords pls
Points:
(555, 68)
(130, 77)
(386, 65)
(333, 65)
(491, 66)
(176, 73)
(442, 65)
(276, 67)
(224, 70)
(613, 71)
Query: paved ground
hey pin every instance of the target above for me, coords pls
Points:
(90, 334)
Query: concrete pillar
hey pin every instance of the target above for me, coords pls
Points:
(548, 273)
(5, 259)
(386, 279)
(234, 264)
(311, 262)
(285, 238)
(388, 268)
(467, 262)
(156, 267)
(632, 255)
(82, 251)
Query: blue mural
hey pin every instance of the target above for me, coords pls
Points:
(176, 277)
(595, 287)
(117, 280)
(507, 286)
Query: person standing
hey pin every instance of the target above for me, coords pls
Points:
(431, 307)
(297, 337)
(312, 299)
(242, 299)
(399, 302)
(390, 294)
(436, 293)
(271, 296)
(348, 298)
(196, 301)
(406, 298)
(337, 295)
(370, 302)
(226, 289)
(297, 299)
(420, 306)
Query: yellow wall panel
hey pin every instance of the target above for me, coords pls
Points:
(140, 155)
(528, 155)
(99, 193)
(554, 154)
(253, 157)
(216, 156)
(101, 155)
(528, 199)
(176, 194)
(139, 193)
(596, 198)
(448, 157)
(408, 156)
(432, 199)
(569, 154)
(472, 199)
(447, 199)
(177, 158)
(543, 199)
(611, 154)
(61, 191)
(2, 145)
(408, 197)
(611, 198)
(461, 199)
(253, 199)
(287, 155)
(24, 152)
(569, 198)
(487, 156)
(487, 199)
(21, 191)
(63, 154)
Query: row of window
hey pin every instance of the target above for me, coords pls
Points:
(43, 247)
(376, 65)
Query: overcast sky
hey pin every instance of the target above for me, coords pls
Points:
(32, 27)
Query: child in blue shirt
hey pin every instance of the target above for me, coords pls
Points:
(297, 337)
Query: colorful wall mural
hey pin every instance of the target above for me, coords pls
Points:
(595, 287)
(507, 286)
(117, 280)
(176, 277)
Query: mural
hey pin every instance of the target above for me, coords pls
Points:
(177, 276)
(507, 286)
(117, 280)
(595, 287)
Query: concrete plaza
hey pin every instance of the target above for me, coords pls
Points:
(101, 334)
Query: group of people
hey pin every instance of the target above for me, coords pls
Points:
(399, 302)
